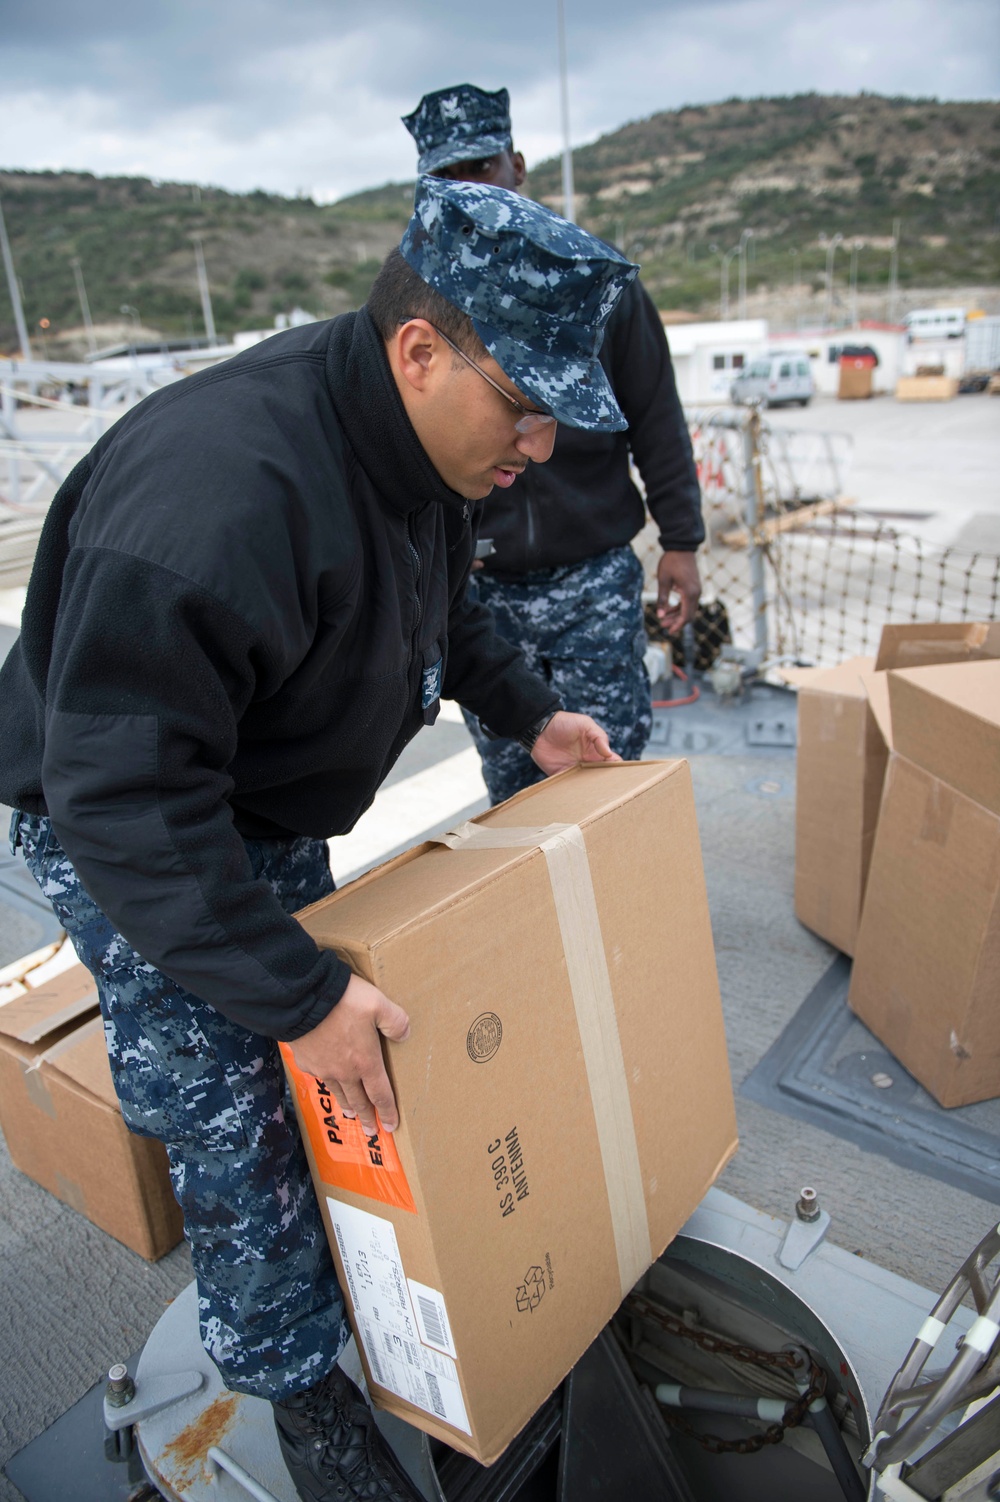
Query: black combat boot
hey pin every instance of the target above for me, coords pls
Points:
(333, 1449)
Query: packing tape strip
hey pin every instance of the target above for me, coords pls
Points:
(590, 984)
(38, 1090)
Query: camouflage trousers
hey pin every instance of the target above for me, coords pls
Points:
(271, 1311)
(581, 629)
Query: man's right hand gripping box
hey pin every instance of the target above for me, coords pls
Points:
(564, 1093)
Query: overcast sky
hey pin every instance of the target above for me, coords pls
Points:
(306, 95)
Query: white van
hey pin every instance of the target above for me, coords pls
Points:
(773, 380)
(935, 323)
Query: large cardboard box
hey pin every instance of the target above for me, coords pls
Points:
(844, 738)
(926, 974)
(564, 1093)
(60, 1117)
(947, 720)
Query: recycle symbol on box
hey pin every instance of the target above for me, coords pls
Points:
(529, 1293)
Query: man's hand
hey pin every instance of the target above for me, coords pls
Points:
(677, 573)
(569, 739)
(345, 1052)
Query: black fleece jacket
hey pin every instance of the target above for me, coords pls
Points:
(234, 599)
(583, 502)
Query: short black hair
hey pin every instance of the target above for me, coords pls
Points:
(398, 293)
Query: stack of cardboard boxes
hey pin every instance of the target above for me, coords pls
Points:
(898, 845)
(61, 1119)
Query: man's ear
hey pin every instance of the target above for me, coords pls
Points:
(416, 353)
(520, 170)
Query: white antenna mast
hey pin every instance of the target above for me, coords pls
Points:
(206, 296)
(569, 206)
(15, 290)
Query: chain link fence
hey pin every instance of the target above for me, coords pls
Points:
(790, 568)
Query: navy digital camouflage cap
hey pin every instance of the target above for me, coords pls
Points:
(459, 125)
(538, 289)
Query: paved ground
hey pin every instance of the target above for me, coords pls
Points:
(934, 465)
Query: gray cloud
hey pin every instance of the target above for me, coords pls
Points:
(307, 94)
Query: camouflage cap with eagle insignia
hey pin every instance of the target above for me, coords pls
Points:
(539, 291)
(460, 124)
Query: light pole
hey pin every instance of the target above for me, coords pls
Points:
(724, 282)
(796, 286)
(897, 225)
(855, 247)
(569, 207)
(15, 292)
(831, 249)
(81, 292)
(741, 251)
(134, 314)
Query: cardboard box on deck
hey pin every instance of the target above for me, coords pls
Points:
(564, 1093)
(926, 388)
(926, 975)
(844, 739)
(60, 1117)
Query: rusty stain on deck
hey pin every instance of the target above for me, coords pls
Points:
(184, 1456)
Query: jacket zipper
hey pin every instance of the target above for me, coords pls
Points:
(414, 553)
(529, 506)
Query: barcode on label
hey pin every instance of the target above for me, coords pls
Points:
(377, 1372)
(432, 1320)
(435, 1392)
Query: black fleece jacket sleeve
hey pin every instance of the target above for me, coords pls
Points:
(642, 374)
(148, 678)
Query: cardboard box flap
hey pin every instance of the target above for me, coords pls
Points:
(379, 904)
(947, 720)
(799, 677)
(972, 687)
(43, 1011)
(936, 643)
(83, 1059)
(876, 686)
(843, 679)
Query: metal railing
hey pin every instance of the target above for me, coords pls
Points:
(51, 414)
(790, 568)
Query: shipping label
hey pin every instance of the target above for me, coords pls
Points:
(345, 1158)
(403, 1324)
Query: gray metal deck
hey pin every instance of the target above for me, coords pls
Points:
(72, 1300)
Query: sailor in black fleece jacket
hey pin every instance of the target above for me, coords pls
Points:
(247, 599)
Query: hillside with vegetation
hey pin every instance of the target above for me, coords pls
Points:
(675, 191)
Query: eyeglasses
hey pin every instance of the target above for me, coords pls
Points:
(529, 421)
